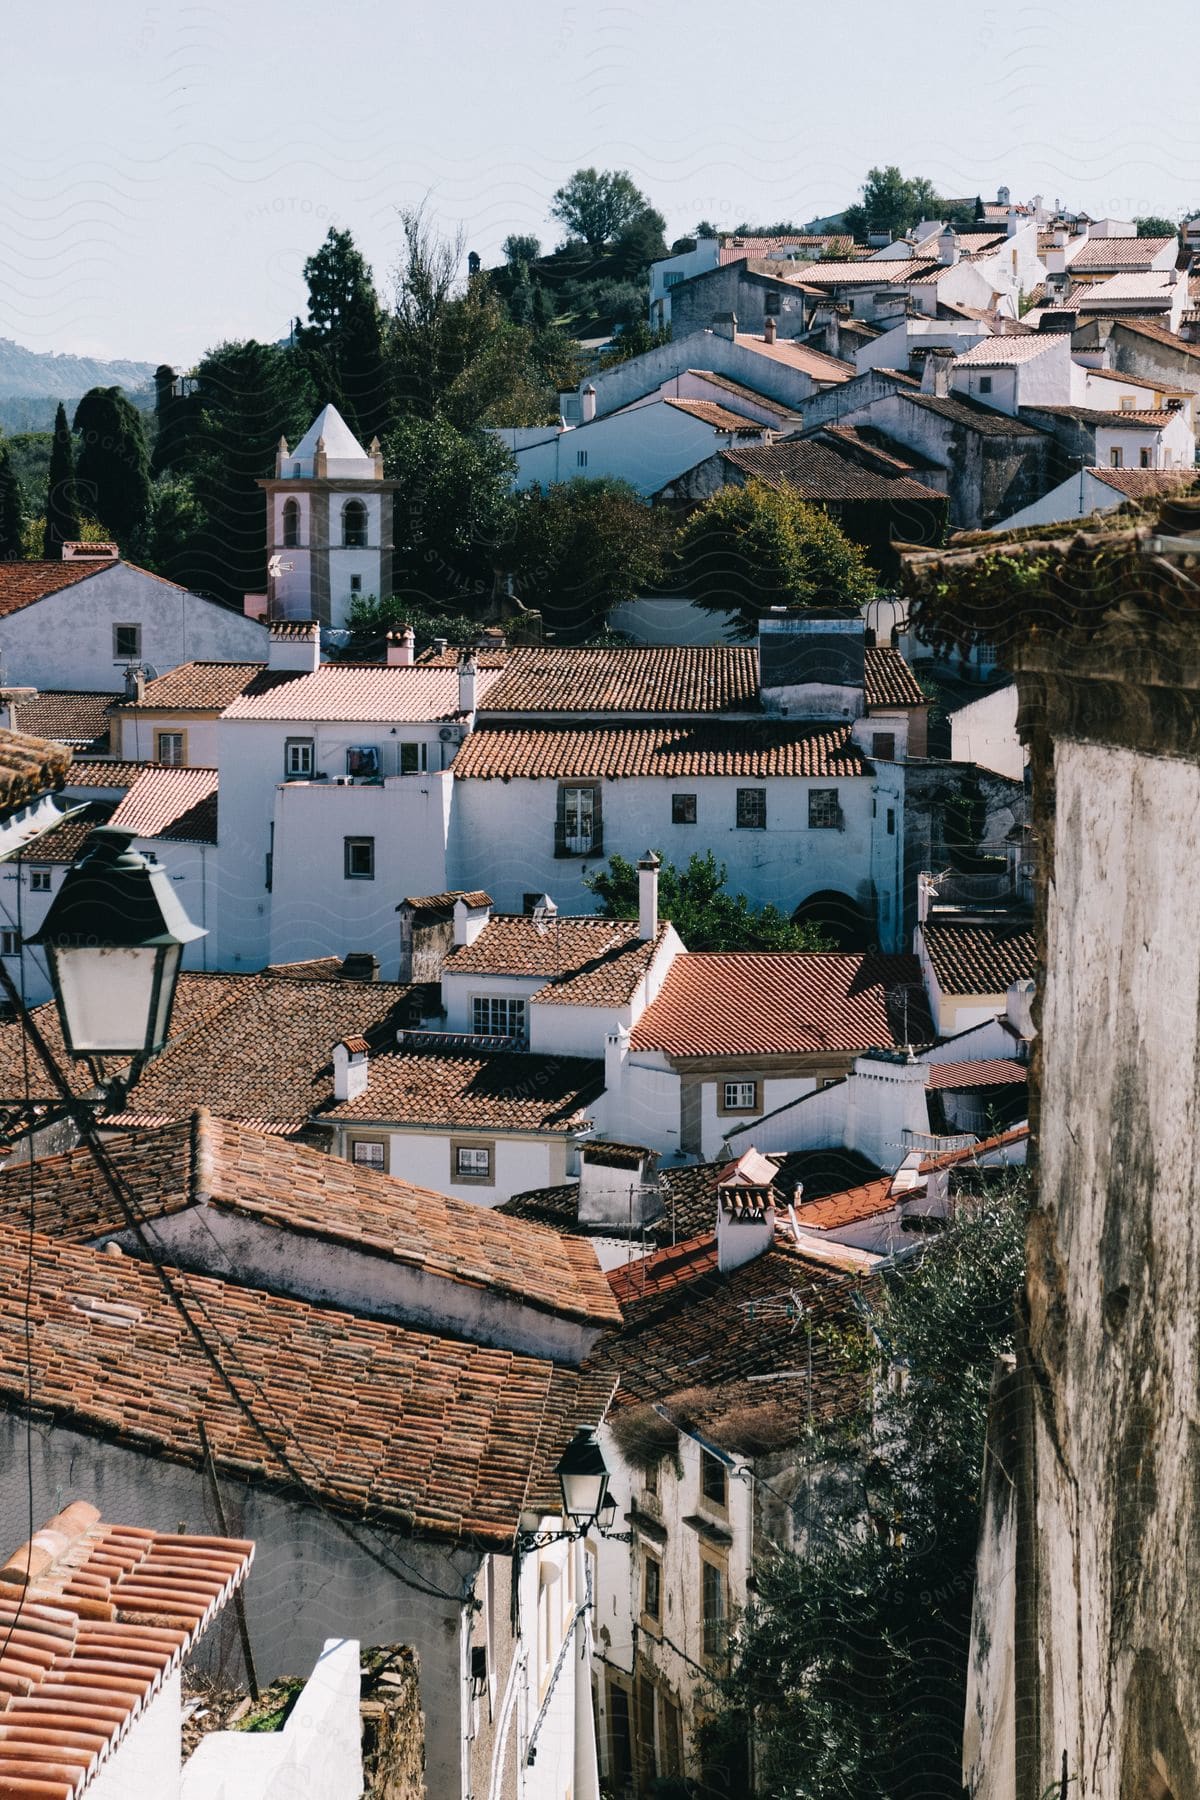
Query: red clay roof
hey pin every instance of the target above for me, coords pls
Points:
(66, 717)
(671, 751)
(195, 687)
(850, 1206)
(1143, 484)
(778, 1003)
(583, 961)
(93, 1620)
(106, 772)
(988, 1072)
(64, 845)
(980, 958)
(371, 693)
(710, 412)
(179, 805)
(819, 471)
(29, 766)
(950, 1158)
(431, 1435)
(24, 583)
(888, 680)
(706, 678)
(814, 363)
(461, 1090)
(1101, 253)
(1160, 335)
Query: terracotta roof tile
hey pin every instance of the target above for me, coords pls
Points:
(474, 898)
(849, 1207)
(93, 1620)
(997, 352)
(985, 420)
(1110, 419)
(1144, 484)
(776, 1003)
(709, 412)
(424, 1433)
(705, 678)
(106, 772)
(79, 720)
(64, 845)
(820, 471)
(207, 1161)
(822, 368)
(29, 766)
(585, 961)
(987, 1072)
(872, 273)
(368, 692)
(672, 751)
(179, 805)
(949, 1159)
(502, 1091)
(888, 679)
(24, 583)
(980, 958)
(1118, 253)
(196, 687)
(745, 244)
(742, 392)
(1159, 334)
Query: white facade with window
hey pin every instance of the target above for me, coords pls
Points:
(646, 446)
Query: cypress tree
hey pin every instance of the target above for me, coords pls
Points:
(62, 508)
(113, 468)
(10, 509)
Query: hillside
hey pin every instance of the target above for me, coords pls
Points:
(36, 375)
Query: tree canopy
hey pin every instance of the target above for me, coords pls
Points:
(596, 203)
(1155, 225)
(113, 467)
(892, 202)
(584, 546)
(62, 504)
(11, 509)
(342, 343)
(452, 517)
(698, 903)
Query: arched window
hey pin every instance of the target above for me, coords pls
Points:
(291, 524)
(354, 525)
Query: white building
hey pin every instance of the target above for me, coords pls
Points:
(1018, 371)
(80, 623)
(329, 524)
(646, 446)
(1098, 489)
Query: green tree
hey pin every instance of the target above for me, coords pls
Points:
(519, 248)
(639, 243)
(453, 513)
(426, 279)
(177, 522)
(113, 469)
(633, 340)
(1153, 225)
(11, 510)
(581, 548)
(342, 343)
(849, 1670)
(892, 202)
(596, 203)
(701, 908)
(62, 505)
(749, 548)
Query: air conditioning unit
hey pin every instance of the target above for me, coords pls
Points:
(450, 734)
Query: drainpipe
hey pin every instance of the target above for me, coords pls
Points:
(587, 1769)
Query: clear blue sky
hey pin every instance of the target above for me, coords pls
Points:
(170, 166)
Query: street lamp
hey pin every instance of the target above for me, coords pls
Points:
(583, 1475)
(114, 939)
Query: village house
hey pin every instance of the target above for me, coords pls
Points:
(173, 719)
(757, 289)
(646, 445)
(969, 963)
(1102, 488)
(80, 623)
(80, 720)
(1119, 437)
(776, 254)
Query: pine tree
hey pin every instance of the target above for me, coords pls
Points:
(10, 509)
(342, 344)
(62, 508)
(113, 470)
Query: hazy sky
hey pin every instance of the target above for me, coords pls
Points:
(169, 167)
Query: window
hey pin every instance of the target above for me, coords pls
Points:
(362, 760)
(891, 822)
(471, 1162)
(985, 384)
(581, 459)
(739, 1096)
(672, 278)
(295, 468)
(127, 641)
(771, 302)
(712, 1608)
(824, 813)
(497, 1015)
(360, 858)
(883, 744)
(577, 829)
(291, 524)
(298, 757)
(10, 943)
(369, 1154)
(412, 759)
(650, 1479)
(168, 747)
(1144, 458)
(1116, 457)
(356, 584)
(652, 1588)
(683, 809)
(354, 525)
(39, 881)
(713, 1480)
(1128, 402)
(752, 809)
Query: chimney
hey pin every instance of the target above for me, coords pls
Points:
(587, 404)
(648, 868)
(616, 1053)
(769, 331)
(401, 648)
(135, 683)
(725, 325)
(745, 1223)
(616, 1186)
(1018, 1007)
(469, 921)
(935, 372)
(440, 645)
(948, 247)
(351, 1068)
(359, 965)
(295, 646)
(468, 682)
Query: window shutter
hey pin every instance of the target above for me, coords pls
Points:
(560, 823)
(597, 820)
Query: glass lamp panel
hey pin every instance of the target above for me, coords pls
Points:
(172, 956)
(583, 1494)
(107, 997)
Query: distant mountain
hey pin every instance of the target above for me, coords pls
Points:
(42, 375)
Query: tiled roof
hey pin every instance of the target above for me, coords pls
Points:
(196, 687)
(23, 583)
(428, 1434)
(1150, 285)
(1159, 334)
(821, 367)
(881, 452)
(980, 958)
(849, 1207)
(584, 961)
(781, 1002)
(1002, 1071)
(1109, 419)
(687, 678)
(374, 693)
(745, 244)
(873, 273)
(1148, 382)
(888, 680)
(1118, 253)
(505, 1091)
(177, 804)
(203, 1160)
(94, 1618)
(67, 717)
(64, 844)
(969, 413)
(29, 766)
(818, 471)
(694, 1338)
(948, 1159)
(446, 902)
(741, 391)
(996, 352)
(673, 751)
(1143, 484)
(449, 658)
(106, 772)
(719, 417)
